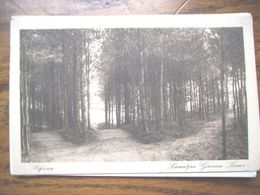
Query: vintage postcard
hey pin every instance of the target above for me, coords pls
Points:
(161, 95)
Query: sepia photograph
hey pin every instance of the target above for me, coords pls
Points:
(133, 94)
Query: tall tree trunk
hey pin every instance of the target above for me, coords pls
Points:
(234, 98)
(223, 106)
(143, 106)
(82, 100)
(161, 82)
(133, 107)
(87, 53)
(65, 84)
(207, 99)
(126, 101)
(142, 87)
(213, 96)
(25, 127)
(201, 99)
(191, 99)
(112, 111)
(118, 109)
(106, 111)
(109, 111)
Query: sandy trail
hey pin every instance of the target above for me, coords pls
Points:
(118, 145)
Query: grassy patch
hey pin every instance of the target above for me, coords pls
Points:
(102, 126)
(168, 132)
(237, 141)
(72, 136)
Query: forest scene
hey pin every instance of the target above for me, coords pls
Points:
(133, 94)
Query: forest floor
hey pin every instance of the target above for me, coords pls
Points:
(119, 145)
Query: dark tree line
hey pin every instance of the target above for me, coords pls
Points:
(55, 82)
(149, 79)
(156, 77)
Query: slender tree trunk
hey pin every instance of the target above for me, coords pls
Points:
(88, 83)
(25, 128)
(133, 108)
(118, 109)
(213, 96)
(112, 111)
(223, 117)
(161, 82)
(234, 98)
(126, 98)
(106, 111)
(109, 111)
(82, 100)
(65, 86)
(27, 113)
(191, 100)
(207, 100)
(201, 91)
(143, 103)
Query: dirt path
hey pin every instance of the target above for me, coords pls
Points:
(118, 145)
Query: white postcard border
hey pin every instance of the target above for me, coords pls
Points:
(164, 21)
